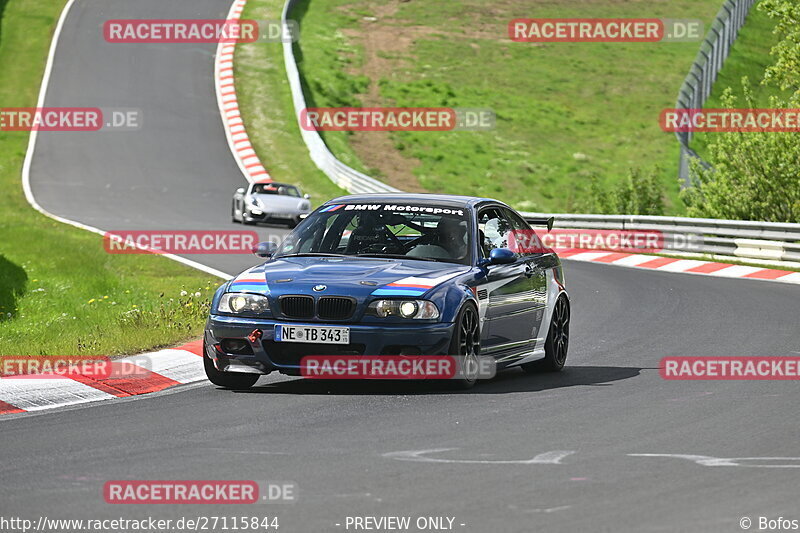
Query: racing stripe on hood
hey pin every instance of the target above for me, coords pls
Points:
(412, 286)
(248, 281)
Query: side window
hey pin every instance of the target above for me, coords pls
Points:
(493, 230)
(525, 241)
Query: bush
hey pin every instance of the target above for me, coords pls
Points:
(639, 194)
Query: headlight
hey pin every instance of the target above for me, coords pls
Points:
(416, 309)
(238, 303)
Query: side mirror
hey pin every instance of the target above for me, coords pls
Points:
(307, 196)
(240, 190)
(501, 256)
(265, 249)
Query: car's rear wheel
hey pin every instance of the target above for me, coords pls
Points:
(466, 344)
(229, 380)
(557, 342)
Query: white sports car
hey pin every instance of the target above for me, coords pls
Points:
(269, 201)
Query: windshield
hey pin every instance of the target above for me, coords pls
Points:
(428, 233)
(276, 188)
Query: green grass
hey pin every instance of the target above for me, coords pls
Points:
(268, 112)
(749, 57)
(60, 292)
(552, 101)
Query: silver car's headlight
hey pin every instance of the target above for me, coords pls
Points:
(416, 309)
(239, 303)
(256, 207)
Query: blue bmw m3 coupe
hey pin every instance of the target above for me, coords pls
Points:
(394, 275)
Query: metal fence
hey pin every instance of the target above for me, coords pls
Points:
(699, 82)
(751, 240)
(347, 178)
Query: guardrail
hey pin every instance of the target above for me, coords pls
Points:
(699, 82)
(771, 241)
(348, 178)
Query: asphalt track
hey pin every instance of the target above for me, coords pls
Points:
(338, 442)
(176, 171)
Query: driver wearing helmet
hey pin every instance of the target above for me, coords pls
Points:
(369, 232)
(452, 236)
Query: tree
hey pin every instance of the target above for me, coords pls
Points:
(756, 175)
(785, 73)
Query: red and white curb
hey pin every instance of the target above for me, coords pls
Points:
(162, 369)
(686, 266)
(235, 131)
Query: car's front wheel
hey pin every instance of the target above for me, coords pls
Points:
(466, 345)
(229, 380)
(557, 342)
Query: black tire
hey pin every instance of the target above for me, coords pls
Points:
(292, 223)
(229, 380)
(557, 343)
(466, 342)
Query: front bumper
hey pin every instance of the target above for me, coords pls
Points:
(266, 215)
(268, 355)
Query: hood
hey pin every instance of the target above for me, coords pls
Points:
(356, 277)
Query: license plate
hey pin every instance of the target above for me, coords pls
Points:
(312, 334)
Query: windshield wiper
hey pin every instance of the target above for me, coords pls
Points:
(401, 256)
